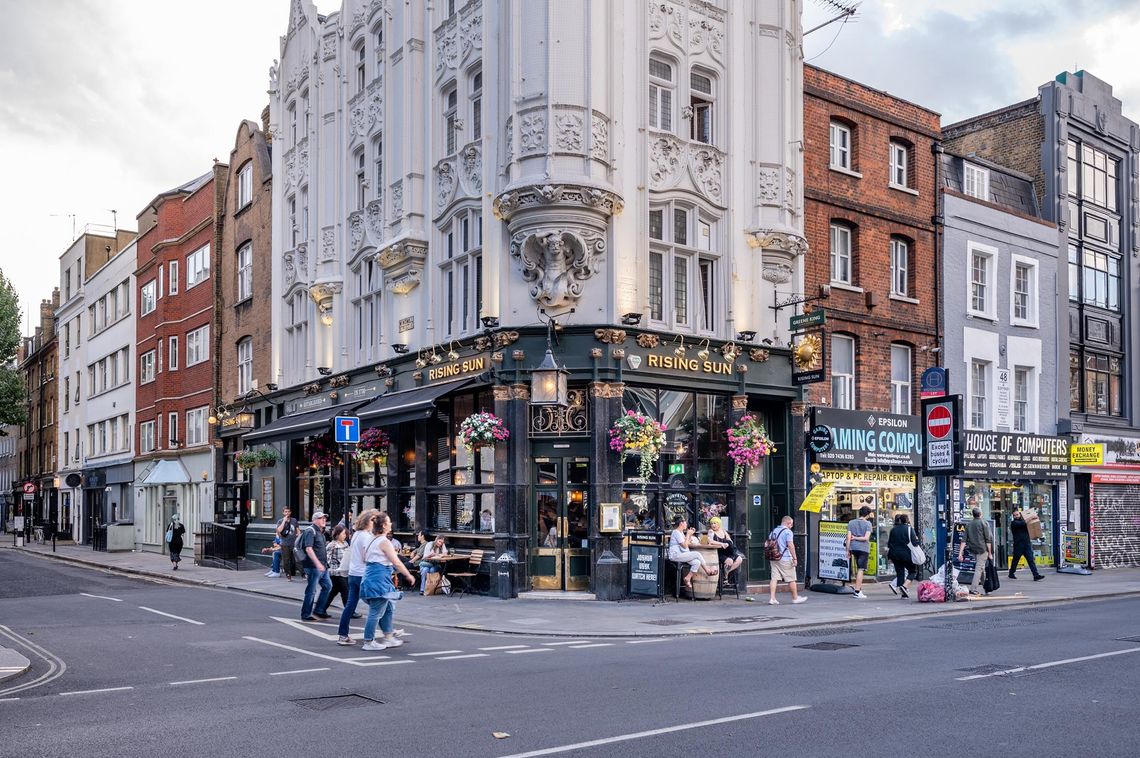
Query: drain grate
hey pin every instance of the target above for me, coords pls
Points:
(824, 646)
(984, 624)
(752, 619)
(667, 622)
(989, 668)
(824, 632)
(330, 702)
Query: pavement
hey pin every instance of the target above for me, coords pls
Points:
(564, 614)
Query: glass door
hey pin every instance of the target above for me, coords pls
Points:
(560, 558)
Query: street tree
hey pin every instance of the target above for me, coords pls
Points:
(11, 385)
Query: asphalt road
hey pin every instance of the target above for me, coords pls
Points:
(114, 676)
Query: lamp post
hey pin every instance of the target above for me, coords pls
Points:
(548, 380)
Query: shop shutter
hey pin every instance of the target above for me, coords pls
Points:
(1116, 525)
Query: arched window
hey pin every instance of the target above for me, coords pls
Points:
(662, 84)
(702, 94)
(450, 106)
(244, 365)
(684, 278)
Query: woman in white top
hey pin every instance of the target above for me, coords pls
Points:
(377, 587)
(679, 552)
(435, 549)
(360, 539)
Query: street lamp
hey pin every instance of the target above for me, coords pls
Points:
(548, 380)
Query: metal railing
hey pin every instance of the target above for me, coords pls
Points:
(99, 538)
(224, 543)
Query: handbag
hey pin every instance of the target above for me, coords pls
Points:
(917, 554)
(991, 583)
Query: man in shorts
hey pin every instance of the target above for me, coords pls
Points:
(784, 570)
(859, 546)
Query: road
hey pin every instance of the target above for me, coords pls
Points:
(129, 667)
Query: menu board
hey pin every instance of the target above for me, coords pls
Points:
(644, 569)
(1001, 455)
(833, 563)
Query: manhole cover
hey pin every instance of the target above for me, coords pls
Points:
(667, 622)
(989, 668)
(753, 619)
(331, 702)
(825, 646)
(824, 632)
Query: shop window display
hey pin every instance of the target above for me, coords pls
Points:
(460, 487)
(998, 501)
(886, 494)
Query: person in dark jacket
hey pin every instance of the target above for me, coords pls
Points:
(1021, 546)
(175, 530)
(898, 551)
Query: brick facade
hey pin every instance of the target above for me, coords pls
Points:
(36, 448)
(875, 212)
(1010, 137)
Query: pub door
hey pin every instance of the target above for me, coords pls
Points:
(561, 512)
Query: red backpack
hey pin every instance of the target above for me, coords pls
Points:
(772, 549)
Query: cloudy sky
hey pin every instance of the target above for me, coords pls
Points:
(105, 103)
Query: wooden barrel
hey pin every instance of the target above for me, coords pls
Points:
(704, 587)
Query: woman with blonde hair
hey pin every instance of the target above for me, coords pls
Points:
(377, 588)
(360, 537)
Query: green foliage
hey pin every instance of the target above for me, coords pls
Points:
(11, 385)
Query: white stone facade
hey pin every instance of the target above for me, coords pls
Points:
(73, 329)
(439, 162)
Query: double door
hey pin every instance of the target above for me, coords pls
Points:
(561, 512)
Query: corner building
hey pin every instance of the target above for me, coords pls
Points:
(457, 182)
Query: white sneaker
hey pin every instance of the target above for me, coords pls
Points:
(273, 574)
(399, 633)
(373, 645)
(799, 600)
(860, 595)
(392, 641)
(773, 602)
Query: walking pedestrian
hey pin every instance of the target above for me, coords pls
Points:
(859, 547)
(378, 589)
(174, 532)
(312, 543)
(287, 531)
(361, 536)
(336, 559)
(899, 541)
(981, 543)
(784, 570)
(1022, 547)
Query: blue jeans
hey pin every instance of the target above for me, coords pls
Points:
(350, 604)
(379, 609)
(276, 568)
(425, 569)
(312, 579)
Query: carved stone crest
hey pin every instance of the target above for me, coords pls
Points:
(312, 389)
(758, 354)
(610, 336)
(648, 341)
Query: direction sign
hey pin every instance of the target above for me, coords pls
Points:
(939, 421)
(346, 430)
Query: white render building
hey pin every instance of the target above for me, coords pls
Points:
(451, 178)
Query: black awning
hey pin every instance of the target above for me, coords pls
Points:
(301, 424)
(407, 405)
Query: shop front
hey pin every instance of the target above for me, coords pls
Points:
(1003, 472)
(864, 459)
(1106, 499)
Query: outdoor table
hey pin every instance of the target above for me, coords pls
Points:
(704, 587)
(442, 560)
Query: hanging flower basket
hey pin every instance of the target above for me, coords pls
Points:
(482, 429)
(374, 443)
(321, 451)
(748, 442)
(709, 511)
(248, 459)
(638, 434)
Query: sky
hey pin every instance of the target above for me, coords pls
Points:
(106, 103)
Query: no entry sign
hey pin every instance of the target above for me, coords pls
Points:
(939, 421)
(942, 451)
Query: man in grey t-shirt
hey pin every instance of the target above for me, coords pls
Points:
(859, 546)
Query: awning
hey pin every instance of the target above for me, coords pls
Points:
(167, 472)
(408, 405)
(301, 424)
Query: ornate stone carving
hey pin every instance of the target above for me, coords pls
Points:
(402, 252)
(397, 201)
(648, 341)
(707, 165)
(510, 203)
(482, 344)
(518, 355)
(758, 355)
(496, 357)
(789, 188)
(355, 230)
(328, 47)
(792, 244)
(445, 181)
(374, 220)
(596, 353)
(532, 133)
(297, 18)
(558, 262)
(323, 292)
(312, 389)
(504, 339)
(776, 272)
(358, 121)
(417, 376)
(610, 336)
(328, 245)
(471, 167)
(740, 402)
(339, 381)
(288, 262)
(510, 139)
(742, 368)
(402, 284)
(618, 353)
(520, 392)
(599, 138)
(568, 132)
(303, 256)
(664, 162)
(447, 46)
(607, 390)
(768, 185)
(471, 31)
(501, 392)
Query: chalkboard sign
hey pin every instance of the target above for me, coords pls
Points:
(645, 568)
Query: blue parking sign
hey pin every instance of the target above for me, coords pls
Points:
(346, 429)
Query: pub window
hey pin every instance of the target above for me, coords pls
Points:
(683, 283)
(661, 88)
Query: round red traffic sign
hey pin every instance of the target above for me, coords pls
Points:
(29, 488)
(939, 421)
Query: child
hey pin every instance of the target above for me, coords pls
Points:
(275, 570)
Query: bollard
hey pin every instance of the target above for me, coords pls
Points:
(505, 573)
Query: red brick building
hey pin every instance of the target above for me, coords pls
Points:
(37, 361)
(870, 199)
(179, 239)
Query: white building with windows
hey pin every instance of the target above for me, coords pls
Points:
(441, 162)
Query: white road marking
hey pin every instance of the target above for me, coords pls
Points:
(203, 681)
(571, 642)
(308, 627)
(172, 616)
(8, 699)
(370, 658)
(300, 650)
(100, 597)
(458, 657)
(642, 642)
(1049, 664)
(298, 671)
(530, 650)
(93, 692)
(504, 647)
(655, 732)
(55, 665)
(385, 663)
(596, 644)
(436, 652)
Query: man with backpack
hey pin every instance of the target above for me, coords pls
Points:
(310, 551)
(859, 547)
(780, 549)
